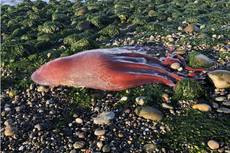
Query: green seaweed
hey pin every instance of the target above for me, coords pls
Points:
(192, 128)
(188, 89)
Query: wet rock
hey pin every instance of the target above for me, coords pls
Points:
(104, 118)
(106, 148)
(175, 66)
(203, 60)
(10, 130)
(223, 110)
(226, 103)
(41, 126)
(191, 28)
(8, 122)
(213, 144)
(149, 113)
(140, 100)
(220, 99)
(202, 107)
(99, 132)
(149, 147)
(79, 144)
(220, 78)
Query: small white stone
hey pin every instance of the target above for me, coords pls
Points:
(180, 69)
(79, 120)
(21, 148)
(7, 109)
(213, 144)
(124, 98)
(175, 66)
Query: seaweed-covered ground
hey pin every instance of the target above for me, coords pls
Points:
(62, 119)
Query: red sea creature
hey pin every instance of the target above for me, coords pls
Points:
(109, 69)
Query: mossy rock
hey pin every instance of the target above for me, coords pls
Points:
(60, 17)
(44, 37)
(111, 31)
(98, 21)
(84, 44)
(195, 62)
(140, 20)
(188, 89)
(14, 51)
(51, 27)
(43, 45)
(83, 25)
(30, 23)
(18, 32)
(154, 26)
(35, 16)
(71, 39)
(28, 37)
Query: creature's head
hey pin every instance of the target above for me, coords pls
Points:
(51, 73)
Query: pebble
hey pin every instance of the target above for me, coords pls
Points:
(78, 120)
(79, 144)
(140, 100)
(215, 105)
(223, 110)
(104, 118)
(7, 109)
(220, 78)
(226, 103)
(99, 132)
(106, 148)
(202, 107)
(124, 98)
(175, 66)
(220, 99)
(21, 148)
(41, 89)
(41, 126)
(166, 106)
(149, 147)
(8, 122)
(191, 28)
(99, 144)
(149, 113)
(10, 130)
(213, 144)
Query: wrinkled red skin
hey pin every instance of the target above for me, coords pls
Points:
(109, 69)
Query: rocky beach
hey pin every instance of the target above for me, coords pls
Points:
(194, 116)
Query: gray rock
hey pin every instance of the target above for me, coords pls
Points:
(149, 113)
(226, 103)
(220, 99)
(203, 60)
(79, 144)
(220, 78)
(223, 110)
(106, 148)
(104, 118)
(41, 126)
(49, 102)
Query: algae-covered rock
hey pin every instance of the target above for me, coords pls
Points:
(98, 21)
(83, 25)
(60, 17)
(111, 31)
(71, 39)
(14, 51)
(154, 26)
(220, 78)
(197, 60)
(82, 12)
(51, 27)
(188, 89)
(45, 37)
(84, 44)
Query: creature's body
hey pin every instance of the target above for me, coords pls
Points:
(108, 69)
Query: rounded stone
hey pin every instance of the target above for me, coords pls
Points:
(149, 147)
(140, 100)
(191, 28)
(78, 120)
(99, 132)
(202, 107)
(149, 113)
(175, 66)
(106, 148)
(220, 78)
(203, 60)
(79, 144)
(10, 130)
(220, 99)
(104, 118)
(213, 144)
